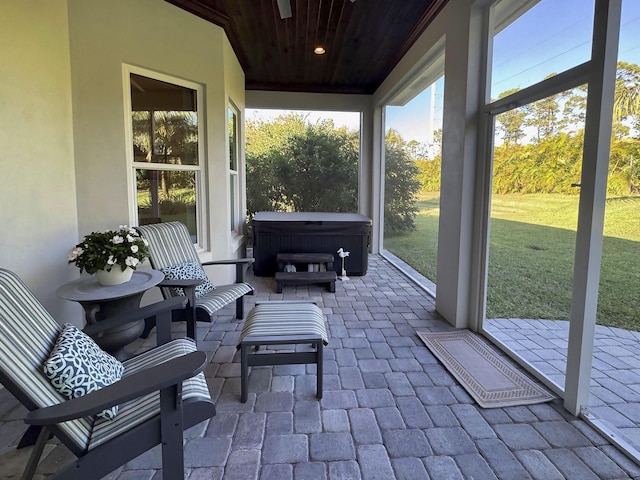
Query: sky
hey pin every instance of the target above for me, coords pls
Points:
(523, 54)
(348, 119)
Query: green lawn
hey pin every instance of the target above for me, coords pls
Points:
(419, 248)
(532, 252)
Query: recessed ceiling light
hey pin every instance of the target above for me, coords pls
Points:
(319, 50)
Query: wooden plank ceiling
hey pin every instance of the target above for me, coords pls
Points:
(363, 39)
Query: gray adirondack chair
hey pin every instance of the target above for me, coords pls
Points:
(170, 245)
(162, 391)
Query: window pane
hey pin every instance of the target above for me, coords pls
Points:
(165, 122)
(618, 313)
(537, 165)
(233, 154)
(553, 36)
(413, 144)
(233, 203)
(165, 196)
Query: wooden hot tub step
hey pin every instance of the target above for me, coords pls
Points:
(305, 258)
(305, 269)
(306, 278)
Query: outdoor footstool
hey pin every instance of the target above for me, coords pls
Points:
(282, 323)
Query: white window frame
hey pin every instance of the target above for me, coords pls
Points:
(199, 169)
(235, 183)
(590, 228)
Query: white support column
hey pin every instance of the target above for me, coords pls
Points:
(481, 230)
(595, 164)
(369, 175)
(377, 179)
(463, 97)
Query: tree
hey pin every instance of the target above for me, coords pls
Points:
(511, 123)
(624, 168)
(319, 172)
(627, 97)
(430, 169)
(401, 185)
(266, 144)
(543, 116)
(295, 166)
(418, 150)
(575, 109)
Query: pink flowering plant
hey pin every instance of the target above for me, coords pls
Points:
(105, 250)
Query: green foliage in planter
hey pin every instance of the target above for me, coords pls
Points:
(106, 250)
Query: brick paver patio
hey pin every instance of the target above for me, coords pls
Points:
(615, 382)
(389, 411)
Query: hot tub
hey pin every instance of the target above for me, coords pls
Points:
(310, 232)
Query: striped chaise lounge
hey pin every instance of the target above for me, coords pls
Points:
(282, 323)
(172, 252)
(161, 393)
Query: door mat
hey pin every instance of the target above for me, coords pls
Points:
(492, 379)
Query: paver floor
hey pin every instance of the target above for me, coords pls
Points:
(614, 393)
(389, 410)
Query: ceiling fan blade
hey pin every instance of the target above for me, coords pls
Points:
(284, 6)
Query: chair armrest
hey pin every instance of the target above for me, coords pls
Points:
(183, 283)
(136, 385)
(240, 263)
(231, 261)
(153, 310)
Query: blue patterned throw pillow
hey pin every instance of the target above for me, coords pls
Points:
(189, 271)
(77, 366)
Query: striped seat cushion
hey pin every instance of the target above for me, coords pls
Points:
(141, 409)
(27, 335)
(169, 244)
(222, 296)
(286, 319)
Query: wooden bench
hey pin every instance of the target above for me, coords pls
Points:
(282, 323)
(302, 276)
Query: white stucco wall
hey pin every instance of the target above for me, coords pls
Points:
(62, 123)
(146, 33)
(160, 37)
(223, 243)
(235, 98)
(37, 182)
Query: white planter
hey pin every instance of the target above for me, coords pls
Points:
(115, 276)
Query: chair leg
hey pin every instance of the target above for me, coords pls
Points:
(244, 371)
(36, 453)
(319, 368)
(30, 436)
(240, 308)
(191, 315)
(172, 433)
